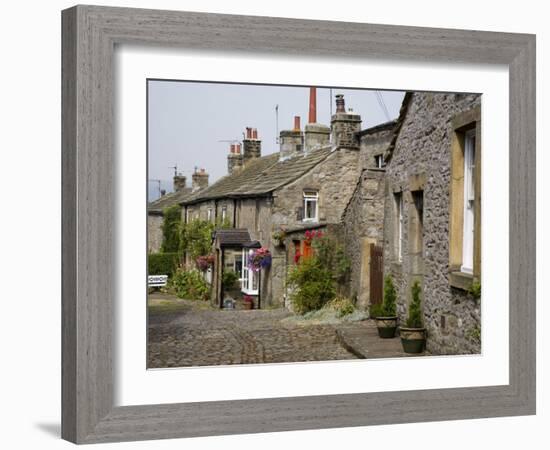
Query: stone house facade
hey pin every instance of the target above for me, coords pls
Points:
(155, 209)
(432, 215)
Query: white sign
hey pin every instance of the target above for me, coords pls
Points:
(157, 280)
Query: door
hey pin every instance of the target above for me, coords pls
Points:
(376, 274)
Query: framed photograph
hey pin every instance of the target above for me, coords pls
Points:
(266, 230)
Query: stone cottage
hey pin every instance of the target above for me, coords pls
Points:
(305, 185)
(155, 209)
(429, 185)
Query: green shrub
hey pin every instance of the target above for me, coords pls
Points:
(190, 284)
(415, 319)
(196, 238)
(331, 256)
(342, 305)
(162, 263)
(171, 225)
(389, 308)
(313, 285)
(375, 310)
(229, 279)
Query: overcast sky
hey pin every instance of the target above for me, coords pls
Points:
(189, 121)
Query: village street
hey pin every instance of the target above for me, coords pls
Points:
(190, 333)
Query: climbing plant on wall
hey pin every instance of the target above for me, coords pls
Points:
(171, 229)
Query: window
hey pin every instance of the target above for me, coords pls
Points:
(379, 162)
(224, 213)
(209, 215)
(311, 206)
(469, 197)
(249, 278)
(465, 200)
(417, 237)
(398, 201)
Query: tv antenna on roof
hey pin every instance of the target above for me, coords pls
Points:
(175, 167)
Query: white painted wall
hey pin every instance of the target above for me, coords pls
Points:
(30, 326)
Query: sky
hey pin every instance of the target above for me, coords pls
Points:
(191, 122)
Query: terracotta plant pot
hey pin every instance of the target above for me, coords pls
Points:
(386, 326)
(248, 305)
(413, 339)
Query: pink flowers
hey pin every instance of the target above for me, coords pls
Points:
(258, 259)
(312, 234)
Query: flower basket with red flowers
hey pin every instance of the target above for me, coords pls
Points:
(204, 262)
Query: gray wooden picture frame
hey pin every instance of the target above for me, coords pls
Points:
(90, 34)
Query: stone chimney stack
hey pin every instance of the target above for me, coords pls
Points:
(344, 125)
(291, 141)
(252, 146)
(234, 159)
(200, 179)
(179, 182)
(316, 135)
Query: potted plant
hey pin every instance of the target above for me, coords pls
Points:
(413, 336)
(248, 302)
(386, 316)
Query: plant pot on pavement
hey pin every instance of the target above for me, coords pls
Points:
(413, 339)
(386, 326)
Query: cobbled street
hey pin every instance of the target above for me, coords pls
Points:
(187, 333)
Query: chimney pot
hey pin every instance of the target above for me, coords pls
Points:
(254, 133)
(340, 103)
(296, 123)
(238, 148)
(248, 132)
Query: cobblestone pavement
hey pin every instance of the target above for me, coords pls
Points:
(185, 333)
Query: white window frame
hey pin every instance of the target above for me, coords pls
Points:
(398, 198)
(224, 213)
(311, 197)
(469, 203)
(248, 276)
(379, 161)
(209, 215)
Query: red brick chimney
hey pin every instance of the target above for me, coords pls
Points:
(312, 105)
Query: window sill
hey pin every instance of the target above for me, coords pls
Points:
(461, 280)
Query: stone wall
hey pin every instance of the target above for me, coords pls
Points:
(363, 226)
(154, 233)
(334, 179)
(421, 160)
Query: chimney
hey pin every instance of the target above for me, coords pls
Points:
(200, 180)
(234, 159)
(252, 146)
(179, 182)
(312, 105)
(315, 134)
(291, 141)
(344, 125)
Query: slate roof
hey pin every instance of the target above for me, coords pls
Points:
(261, 176)
(229, 237)
(173, 198)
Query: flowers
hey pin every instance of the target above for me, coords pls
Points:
(279, 235)
(297, 257)
(204, 262)
(312, 234)
(258, 259)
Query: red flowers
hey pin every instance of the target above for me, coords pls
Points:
(297, 257)
(312, 234)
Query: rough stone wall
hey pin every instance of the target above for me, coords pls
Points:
(154, 233)
(335, 179)
(423, 149)
(374, 144)
(363, 226)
